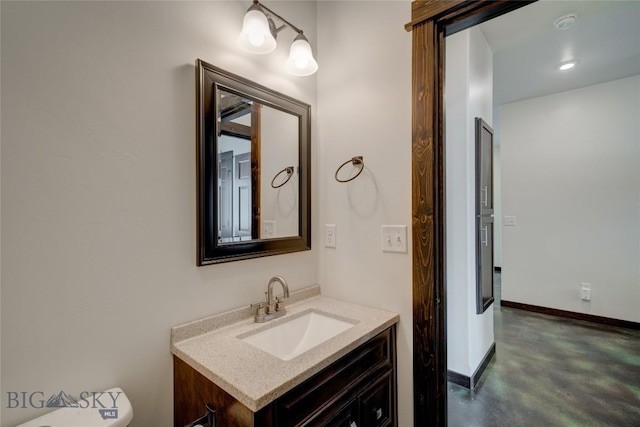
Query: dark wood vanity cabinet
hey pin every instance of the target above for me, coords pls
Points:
(358, 390)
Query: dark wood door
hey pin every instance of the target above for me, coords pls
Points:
(431, 20)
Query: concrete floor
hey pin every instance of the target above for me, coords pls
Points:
(551, 371)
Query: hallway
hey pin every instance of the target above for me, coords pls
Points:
(551, 371)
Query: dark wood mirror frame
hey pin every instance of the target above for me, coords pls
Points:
(431, 21)
(208, 79)
(484, 217)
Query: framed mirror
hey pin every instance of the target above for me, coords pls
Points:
(253, 169)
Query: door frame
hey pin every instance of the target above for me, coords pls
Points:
(431, 21)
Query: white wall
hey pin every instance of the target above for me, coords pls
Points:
(0, 221)
(468, 94)
(233, 143)
(364, 106)
(497, 204)
(497, 186)
(571, 176)
(279, 150)
(98, 191)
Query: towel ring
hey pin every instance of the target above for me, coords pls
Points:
(354, 161)
(288, 170)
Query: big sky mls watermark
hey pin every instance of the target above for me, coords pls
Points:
(105, 402)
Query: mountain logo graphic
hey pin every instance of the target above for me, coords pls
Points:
(62, 400)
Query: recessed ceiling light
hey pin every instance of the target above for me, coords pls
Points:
(567, 65)
(565, 22)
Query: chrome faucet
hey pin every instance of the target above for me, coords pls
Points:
(279, 302)
(271, 308)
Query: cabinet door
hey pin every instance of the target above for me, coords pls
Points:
(376, 403)
(313, 402)
(484, 168)
(485, 264)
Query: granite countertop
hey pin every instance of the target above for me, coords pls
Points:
(211, 346)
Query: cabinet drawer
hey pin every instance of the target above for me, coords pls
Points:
(348, 417)
(337, 382)
(376, 405)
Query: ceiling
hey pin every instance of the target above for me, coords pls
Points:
(527, 47)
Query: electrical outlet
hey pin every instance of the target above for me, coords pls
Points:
(394, 238)
(585, 291)
(268, 229)
(330, 235)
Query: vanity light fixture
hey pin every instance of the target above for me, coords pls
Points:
(567, 65)
(259, 34)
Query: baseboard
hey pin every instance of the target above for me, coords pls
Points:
(472, 382)
(461, 380)
(498, 269)
(572, 315)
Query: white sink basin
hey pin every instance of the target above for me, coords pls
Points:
(292, 338)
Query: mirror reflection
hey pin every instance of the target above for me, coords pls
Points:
(254, 177)
(258, 154)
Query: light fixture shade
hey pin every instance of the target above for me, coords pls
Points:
(256, 35)
(301, 62)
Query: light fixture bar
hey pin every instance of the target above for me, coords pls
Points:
(280, 18)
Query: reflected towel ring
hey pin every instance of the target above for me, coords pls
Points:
(358, 160)
(288, 170)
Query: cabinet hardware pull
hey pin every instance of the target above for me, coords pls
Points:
(485, 196)
(378, 413)
(485, 230)
(209, 418)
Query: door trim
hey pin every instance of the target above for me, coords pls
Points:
(431, 21)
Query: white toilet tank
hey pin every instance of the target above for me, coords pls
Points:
(110, 409)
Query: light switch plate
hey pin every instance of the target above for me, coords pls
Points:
(509, 221)
(394, 238)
